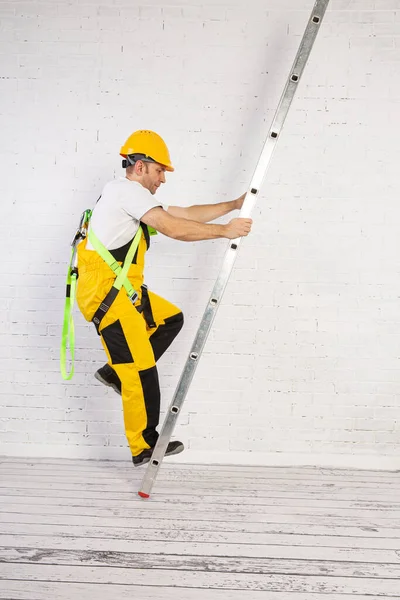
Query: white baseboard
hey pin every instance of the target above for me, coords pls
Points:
(339, 461)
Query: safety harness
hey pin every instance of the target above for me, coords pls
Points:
(120, 272)
(121, 280)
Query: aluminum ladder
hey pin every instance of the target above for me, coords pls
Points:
(189, 369)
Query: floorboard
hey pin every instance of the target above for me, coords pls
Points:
(71, 528)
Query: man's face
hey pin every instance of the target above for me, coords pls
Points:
(153, 175)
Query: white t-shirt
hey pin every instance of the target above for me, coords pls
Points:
(116, 216)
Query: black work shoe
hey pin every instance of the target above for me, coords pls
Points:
(108, 376)
(145, 456)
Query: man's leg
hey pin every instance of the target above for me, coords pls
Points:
(168, 319)
(125, 340)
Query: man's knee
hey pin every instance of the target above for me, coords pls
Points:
(165, 334)
(175, 322)
(172, 326)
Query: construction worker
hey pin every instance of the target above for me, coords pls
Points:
(136, 331)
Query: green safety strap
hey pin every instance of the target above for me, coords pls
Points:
(121, 278)
(121, 272)
(68, 330)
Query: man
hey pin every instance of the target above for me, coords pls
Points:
(135, 335)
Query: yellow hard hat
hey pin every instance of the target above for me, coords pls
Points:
(150, 144)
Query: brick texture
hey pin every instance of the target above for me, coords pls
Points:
(302, 365)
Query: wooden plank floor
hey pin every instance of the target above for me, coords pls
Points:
(77, 529)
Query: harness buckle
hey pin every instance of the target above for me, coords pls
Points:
(134, 297)
(77, 238)
(81, 232)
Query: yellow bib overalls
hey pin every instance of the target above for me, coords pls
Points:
(134, 336)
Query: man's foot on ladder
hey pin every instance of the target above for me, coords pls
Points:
(145, 456)
(108, 376)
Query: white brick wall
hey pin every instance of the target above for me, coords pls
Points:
(302, 365)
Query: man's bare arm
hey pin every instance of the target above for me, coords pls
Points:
(187, 230)
(204, 213)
